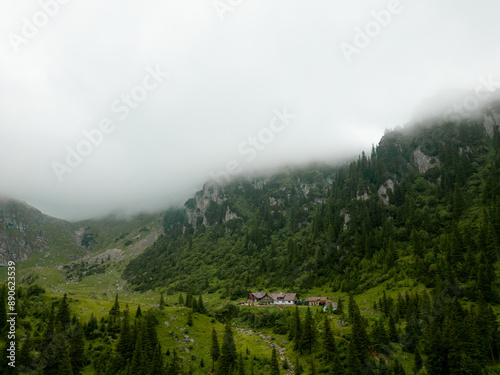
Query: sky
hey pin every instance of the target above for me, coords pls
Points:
(133, 105)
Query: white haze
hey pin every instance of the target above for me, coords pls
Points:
(226, 78)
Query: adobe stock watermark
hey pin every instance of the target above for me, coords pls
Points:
(31, 26)
(482, 92)
(254, 144)
(372, 28)
(122, 107)
(221, 7)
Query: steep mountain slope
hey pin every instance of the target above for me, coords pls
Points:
(425, 204)
(24, 230)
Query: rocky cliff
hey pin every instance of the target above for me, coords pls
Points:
(24, 230)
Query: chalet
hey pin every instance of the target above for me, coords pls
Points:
(284, 298)
(261, 298)
(321, 301)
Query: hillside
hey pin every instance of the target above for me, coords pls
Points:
(405, 240)
(24, 231)
(424, 204)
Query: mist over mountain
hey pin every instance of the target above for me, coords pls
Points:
(176, 91)
(252, 187)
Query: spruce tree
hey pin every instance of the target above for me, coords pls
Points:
(162, 301)
(393, 332)
(329, 341)
(190, 318)
(64, 365)
(227, 359)
(295, 329)
(214, 349)
(150, 335)
(379, 334)
(241, 365)
(156, 364)
(63, 313)
(138, 312)
(194, 304)
(139, 363)
(91, 327)
(275, 367)
(181, 299)
(114, 313)
(308, 338)
(201, 306)
(313, 367)
(125, 345)
(49, 330)
(173, 367)
(77, 348)
(359, 338)
(354, 366)
(337, 368)
(25, 357)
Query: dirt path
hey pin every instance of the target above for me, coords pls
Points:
(267, 339)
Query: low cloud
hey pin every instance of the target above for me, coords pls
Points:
(226, 77)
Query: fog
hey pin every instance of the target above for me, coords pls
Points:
(128, 105)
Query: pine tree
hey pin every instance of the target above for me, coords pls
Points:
(227, 359)
(354, 366)
(64, 365)
(201, 306)
(329, 341)
(49, 330)
(150, 335)
(91, 326)
(63, 313)
(313, 367)
(77, 348)
(379, 335)
(359, 338)
(241, 365)
(125, 345)
(275, 368)
(308, 338)
(214, 349)
(173, 367)
(157, 362)
(138, 312)
(337, 368)
(162, 301)
(393, 332)
(190, 318)
(114, 313)
(25, 356)
(139, 363)
(295, 329)
(181, 299)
